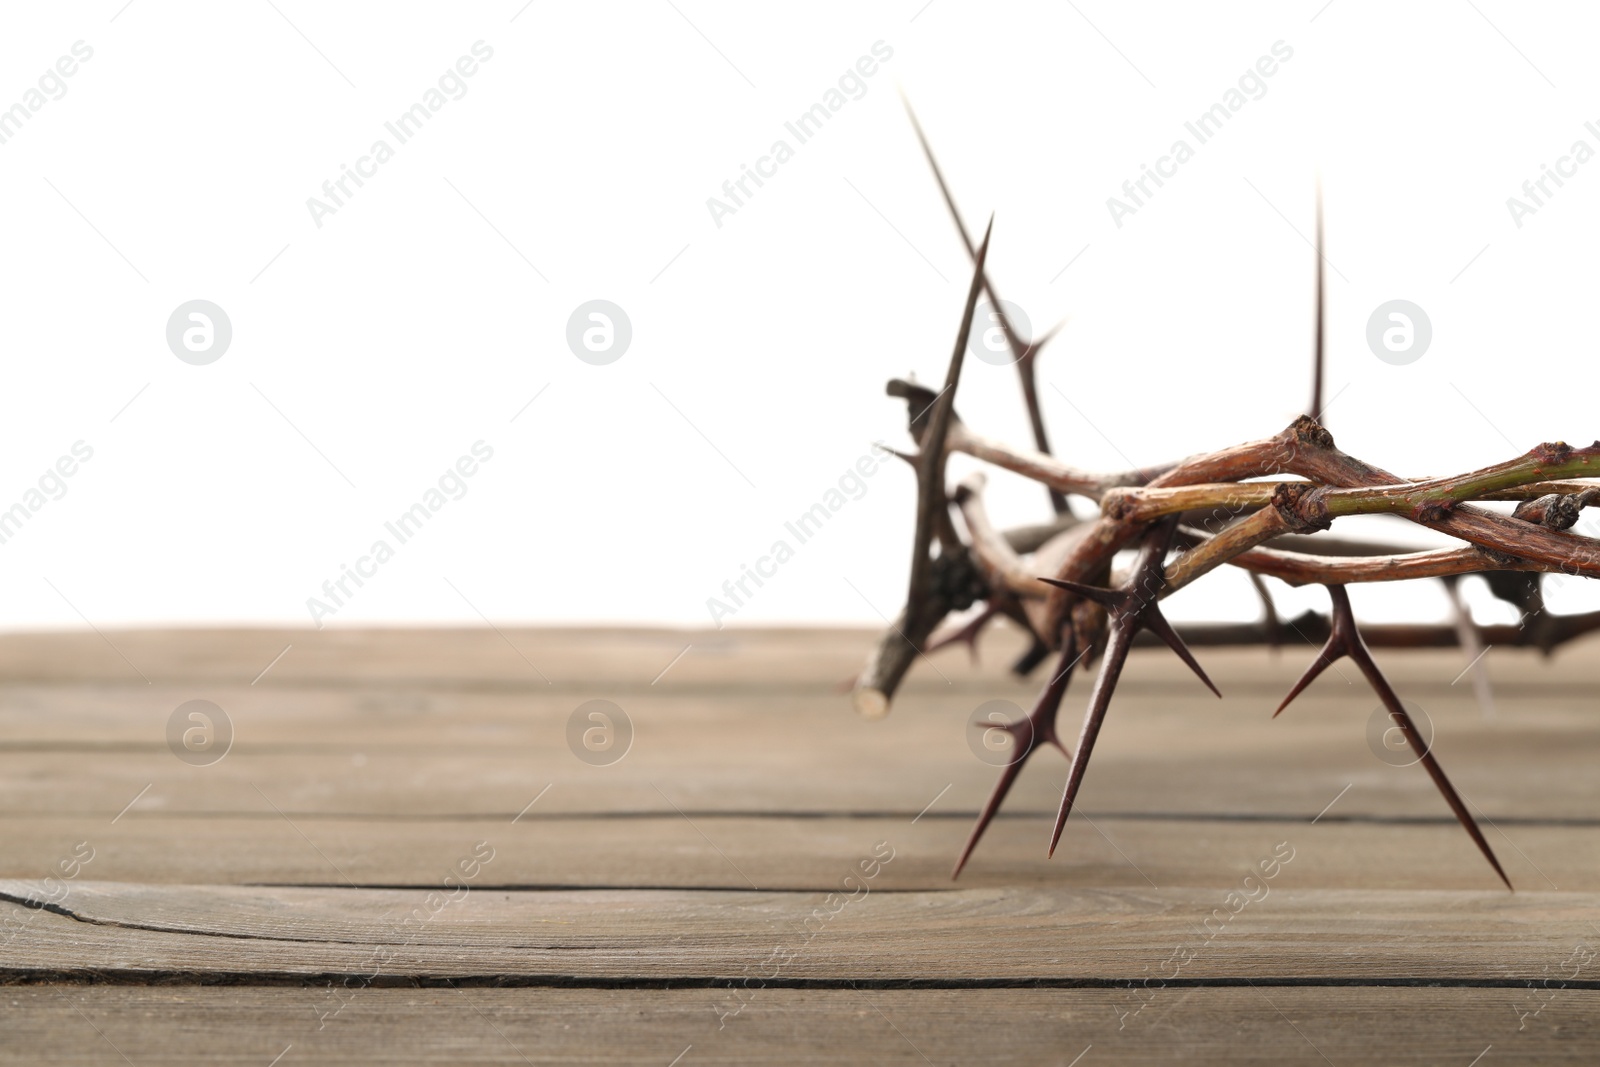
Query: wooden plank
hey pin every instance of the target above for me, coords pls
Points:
(709, 851)
(467, 656)
(1298, 784)
(1013, 936)
(390, 751)
(513, 657)
(383, 757)
(1220, 1026)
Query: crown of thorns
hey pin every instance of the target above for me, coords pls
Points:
(1261, 506)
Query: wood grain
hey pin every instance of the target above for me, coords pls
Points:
(444, 748)
(968, 936)
(630, 906)
(709, 851)
(1348, 1026)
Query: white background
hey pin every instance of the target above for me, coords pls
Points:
(415, 321)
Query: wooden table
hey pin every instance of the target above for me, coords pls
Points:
(401, 860)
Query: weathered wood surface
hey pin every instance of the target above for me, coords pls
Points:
(968, 936)
(636, 907)
(781, 853)
(1216, 1026)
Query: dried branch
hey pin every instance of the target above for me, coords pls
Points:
(1298, 568)
(1043, 468)
(1311, 627)
(1239, 537)
(1138, 504)
(1002, 567)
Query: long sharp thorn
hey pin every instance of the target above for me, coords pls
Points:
(930, 457)
(1129, 608)
(1157, 624)
(1353, 645)
(1324, 660)
(1317, 358)
(1105, 597)
(1343, 637)
(997, 796)
(1110, 670)
(1042, 719)
(1021, 351)
(1019, 348)
(1397, 711)
(1436, 772)
(938, 175)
